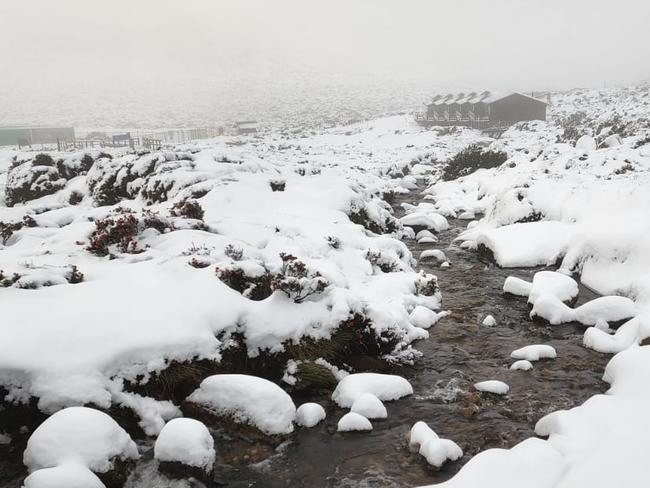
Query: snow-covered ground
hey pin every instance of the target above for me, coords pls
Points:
(115, 265)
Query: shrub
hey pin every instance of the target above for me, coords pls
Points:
(74, 276)
(234, 252)
(189, 209)
(252, 287)
(379, 260)
(279, 185)
(426, 285)
(470, 159)
(296, 281)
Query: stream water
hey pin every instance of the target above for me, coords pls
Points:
(459, 352)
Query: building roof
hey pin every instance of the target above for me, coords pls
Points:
(476, 97)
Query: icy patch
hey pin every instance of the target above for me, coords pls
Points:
(309, 414)
(369, 406)
(248, 399)
(386, 387)
(534, 352)
(492, 386)
(186, 441)
(353, 422)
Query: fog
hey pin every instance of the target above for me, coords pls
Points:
(66, 59)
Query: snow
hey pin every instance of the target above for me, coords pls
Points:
(553, 283)
(309, 414)
(427, 240)
(423, 317)
(436, 254)
(385, 387)
(608, 309)
(247, 399)
(438, 451)
(68, 475)
(586, 143)
(369, 406)
(435, 450)
(534, 352)
(517, 286)
(81, 435)
(521, 365)
(420, 434)
(492, 386)
(352, 421)
(489, 321)
(526, 244)
(186, 441)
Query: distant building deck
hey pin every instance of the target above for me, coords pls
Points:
(27, 136)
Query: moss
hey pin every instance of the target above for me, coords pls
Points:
(314, 378)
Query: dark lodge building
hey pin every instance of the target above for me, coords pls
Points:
(482, 110)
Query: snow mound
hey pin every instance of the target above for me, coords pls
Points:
(427, 240)
(369, 406)
(437, 254)
(82, 435)
(438, 451)
(603, 309)
(68, 475)
(522, 365)
(559, 285)
(489, 321)
(435, 450)
(186, 441)
(492, 386)
(423, 234)
(517, 286)
(423, 317)
(248, 399)
(309, 414)
(526, 244)
(586, 143)
(534, 352)
(420, 434)
(386, 387)
(352, 421)
(427, 220)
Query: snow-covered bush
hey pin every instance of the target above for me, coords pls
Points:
(470, 159)
(32, 179)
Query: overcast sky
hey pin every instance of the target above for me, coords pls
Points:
(50, 46)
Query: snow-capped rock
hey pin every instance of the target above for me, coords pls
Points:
(352, 422)
(386, 387)
(186, 441)
(369, 406)
(309, 414)
(247, 399)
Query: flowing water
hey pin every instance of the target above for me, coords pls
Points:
(459, 352)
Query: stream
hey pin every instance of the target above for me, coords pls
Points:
(459, 352)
